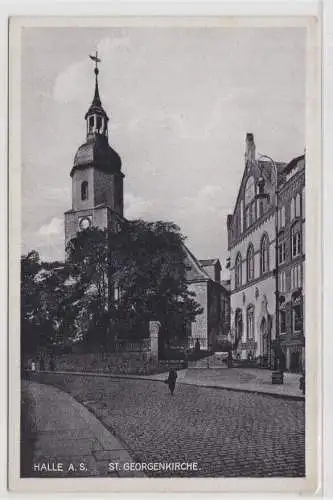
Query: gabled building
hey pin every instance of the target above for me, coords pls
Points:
(251, 243)
(204, 279)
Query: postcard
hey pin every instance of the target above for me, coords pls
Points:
(164, 218)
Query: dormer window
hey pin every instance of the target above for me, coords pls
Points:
(84, 190)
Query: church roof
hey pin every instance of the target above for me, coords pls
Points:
(194, 271)
(97, 151)
(209, 262)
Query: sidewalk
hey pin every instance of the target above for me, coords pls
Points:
(68, 440)
(237, 379)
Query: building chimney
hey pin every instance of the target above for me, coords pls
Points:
(250, 151)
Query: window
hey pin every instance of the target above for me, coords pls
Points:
(295, 207)
(249, 190)
(248, 217)
(283, 325)
(281, 217)
(99, 123)
(303, 202)
(282, 282)
(250, 263)
(264, 255)
(91, 122)
(84, 190)
(253, 212)
(238, 271)
(261, 208)
(250, 206)
(281, 248)
(296, 277)
(295, 241)
(298, 205)
(292, 209)
(297, 318)
(237, 224)
(250, 322)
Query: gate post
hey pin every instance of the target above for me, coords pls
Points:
(154, 328)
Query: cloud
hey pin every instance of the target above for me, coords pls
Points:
(54, 227)
(68, 84)
(208, 201)
(136, 207)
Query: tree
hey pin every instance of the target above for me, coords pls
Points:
(45, 300)
(149, 265)
(89, 265)
(130, 277)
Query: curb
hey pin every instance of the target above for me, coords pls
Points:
(93, 421)
(152, 379)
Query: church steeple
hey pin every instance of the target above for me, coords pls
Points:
(97, 179)
(96, 117)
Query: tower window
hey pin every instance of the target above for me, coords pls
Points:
(91, 122)
(84, 190)
(99, 122)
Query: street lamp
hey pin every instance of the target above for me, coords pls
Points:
(277, 377)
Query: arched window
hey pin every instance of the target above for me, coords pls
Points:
(281, 247)
(250, 263)
(264, 255)
(238, 271)
(298, 205)
(250, 322)
(91, 122)
(238, 327)
(249, 190)
(292, 209)
(84, 190)
(249, 199)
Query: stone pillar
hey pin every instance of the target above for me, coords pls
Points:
(154, 328)
(288, 358)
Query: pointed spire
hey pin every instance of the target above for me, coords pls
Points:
(96, 100)
(96, 117)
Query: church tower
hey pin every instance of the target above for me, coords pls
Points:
(97, 180)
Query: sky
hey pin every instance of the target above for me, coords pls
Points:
(180, 102)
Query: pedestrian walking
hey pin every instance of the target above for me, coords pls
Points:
(171, 380)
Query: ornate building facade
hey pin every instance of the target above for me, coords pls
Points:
(252, 237)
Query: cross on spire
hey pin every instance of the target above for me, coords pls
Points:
(97, 60)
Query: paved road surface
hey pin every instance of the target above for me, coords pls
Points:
(228, 433)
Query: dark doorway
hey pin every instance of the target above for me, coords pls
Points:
(295, 362)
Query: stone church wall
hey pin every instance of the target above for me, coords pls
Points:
(115, 363)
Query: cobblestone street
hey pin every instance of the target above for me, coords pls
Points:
(229, 434)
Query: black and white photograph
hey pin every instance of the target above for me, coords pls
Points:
(163, 210)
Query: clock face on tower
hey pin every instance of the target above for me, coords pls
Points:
(84, 223)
